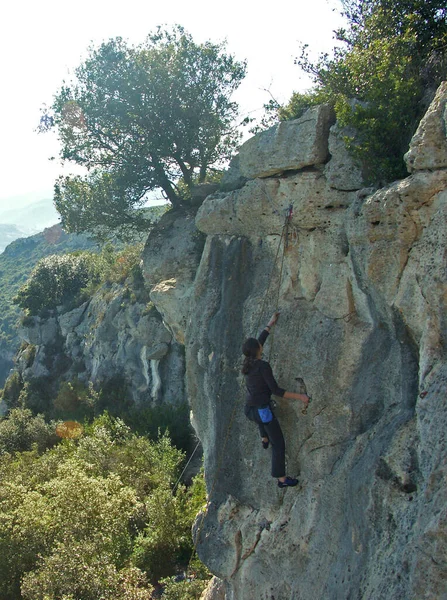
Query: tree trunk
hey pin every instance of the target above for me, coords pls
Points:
(202, 173)
(166, 185)
(187, 173)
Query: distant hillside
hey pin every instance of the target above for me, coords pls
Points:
(38, 214)
(16, 263)
(9, 233)
(20, 218)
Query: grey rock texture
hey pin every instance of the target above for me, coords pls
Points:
(214, 591)
(110, 335)
(363, 299)
(428, 148)
(342, 171)
(289, 145)
(170, 260)
(232, 178)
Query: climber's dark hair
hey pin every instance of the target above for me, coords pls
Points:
(250, 350)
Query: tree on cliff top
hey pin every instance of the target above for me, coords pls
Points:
(392, 58)
(142, 118)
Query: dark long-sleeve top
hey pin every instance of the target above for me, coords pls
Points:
(260, 382)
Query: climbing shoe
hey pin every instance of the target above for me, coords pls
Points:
(265, 445)
(289, 482)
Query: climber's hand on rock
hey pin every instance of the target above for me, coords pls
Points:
(305, 399)
(274, 318)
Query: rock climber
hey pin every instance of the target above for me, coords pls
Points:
(261, 384)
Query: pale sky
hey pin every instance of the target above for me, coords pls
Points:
(41, 42)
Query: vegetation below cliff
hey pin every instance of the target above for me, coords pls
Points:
(94, 516)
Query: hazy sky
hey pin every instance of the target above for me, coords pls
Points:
(42, 41)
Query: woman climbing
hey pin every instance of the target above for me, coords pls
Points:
(261, 385)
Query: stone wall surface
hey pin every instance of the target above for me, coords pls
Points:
(109, 336)
(363, 295)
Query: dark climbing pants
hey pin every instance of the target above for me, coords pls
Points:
(273, 432)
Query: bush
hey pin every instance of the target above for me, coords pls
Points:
(75, 400)
(20, 431)
(57, 280)
(190, 588)
(114, 396)
(36, 394)
(75, 520)
(12, 389)
(76, 570)
(393, 58)
(161, 419)
(300, 102)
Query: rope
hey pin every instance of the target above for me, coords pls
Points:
(285, 234)
(272, 335)
(261, 312)
(186, 466)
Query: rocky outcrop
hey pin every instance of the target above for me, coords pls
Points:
(428, 148)
(360, 278)
(363, 297)
(16, 264)
(170, 260)
(288, 146)
(112, 335)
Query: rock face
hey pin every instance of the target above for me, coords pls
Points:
(110, 336)
(170, 260)
(428, 148)
(289, 146)
(363, 321)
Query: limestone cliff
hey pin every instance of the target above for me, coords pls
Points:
(111, 336)
(363, 320)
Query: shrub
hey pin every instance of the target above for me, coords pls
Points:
(114, 396)
(75, 400)
(190, 588)
(20, 431)
(78, 520)
(57, 280)
(36, 394)
(392, 59)
(156, 420)
(12, 389)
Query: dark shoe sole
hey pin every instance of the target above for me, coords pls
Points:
(286, 485)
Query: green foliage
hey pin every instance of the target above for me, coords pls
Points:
(166, 541)
(84, 573)
(299, 103)
(75, 400)
(36, 395)
(114, 396)
(71, 279)
(57, 280)
(166, 418)
(22, 431)
(78, 520)
(394, 56)
(119, 265)
(140, 118)
(190, 588)
(12, 389)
